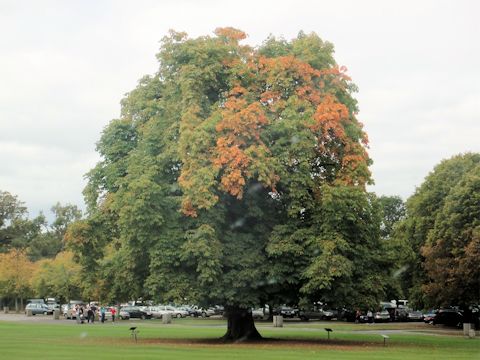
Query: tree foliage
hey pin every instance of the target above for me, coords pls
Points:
(442, 229)
(31, 261)
(393, 211)
(12, 214)
(235, 175)
(35, 235)
(15, 274)
(59, 277)
(452, 248)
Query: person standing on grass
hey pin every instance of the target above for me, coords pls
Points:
(80, 313)
(370, 316)
(102, 314)
(114, 311)
(77, 313)
(89, 314)
(93, 307)
(357, 316)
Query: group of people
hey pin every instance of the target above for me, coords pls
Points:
(90, 311)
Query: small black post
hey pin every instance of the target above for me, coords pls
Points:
(385, 337)
(328, 330)
(134, 332)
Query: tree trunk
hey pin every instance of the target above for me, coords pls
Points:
(240, 326)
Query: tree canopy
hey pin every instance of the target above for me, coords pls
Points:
(235, 176)
(442, 227)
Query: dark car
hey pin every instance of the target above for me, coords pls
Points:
(134, 312)
(286, 312)
(37, 308)
(347, 315)
(448, 317)
(311, 314)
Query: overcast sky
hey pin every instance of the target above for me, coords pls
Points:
(65, 66)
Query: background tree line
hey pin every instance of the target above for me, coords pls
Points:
(34, 260)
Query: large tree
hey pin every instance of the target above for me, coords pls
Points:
(236, 176)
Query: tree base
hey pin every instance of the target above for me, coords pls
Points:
(240, 326)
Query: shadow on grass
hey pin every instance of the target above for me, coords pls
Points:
(267, 343)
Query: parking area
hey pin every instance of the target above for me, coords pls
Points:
(22, 317)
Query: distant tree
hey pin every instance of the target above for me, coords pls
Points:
(64, 215)
(59, 277)
(15, 275)
(426, 216)
(48, 239)
(12, 210)
(235, 176)
(452, 248)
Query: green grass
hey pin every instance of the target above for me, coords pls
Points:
(187, 339)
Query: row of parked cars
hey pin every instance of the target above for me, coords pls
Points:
(127, 311)
(448, 316)
(158, 311)
(452, 317)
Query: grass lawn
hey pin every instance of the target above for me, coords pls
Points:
(197, 339)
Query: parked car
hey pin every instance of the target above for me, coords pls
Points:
(415, 316)
(401, 314)
(38, 308)
(311, 314)
(134, 312)
(429, 316)
(286, 311)
(329, 314)
(53, 305)
(382, 316)
(68, 310)
(190, 311)
(203, 312)
(259, 313)
(124, 315)
(363, 319)
(218, 309)
(347, 315)
(179, 312)
(156, 312)
(448, 317)
(160, 310)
